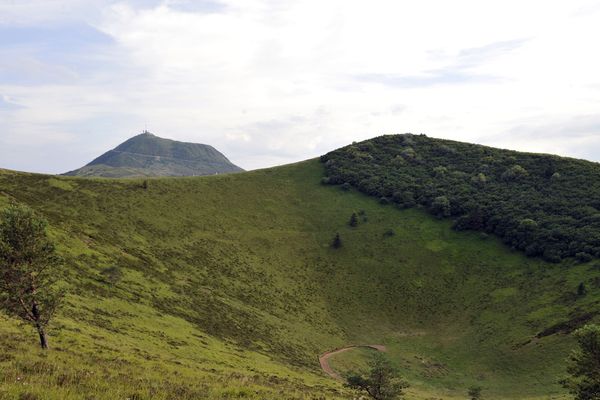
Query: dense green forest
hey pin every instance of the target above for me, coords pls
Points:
(541, 204)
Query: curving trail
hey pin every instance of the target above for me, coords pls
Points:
(324, 358)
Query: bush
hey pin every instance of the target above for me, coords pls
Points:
(440, 206)
(337, 241)
(353, 220)
(480, 179)
(112, 274)
(404, 199)
(583, 366)
(581, 289)
(583, 257)
(514, 173)
(381, 382)
(474, 393)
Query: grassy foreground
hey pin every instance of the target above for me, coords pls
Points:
(227, 287)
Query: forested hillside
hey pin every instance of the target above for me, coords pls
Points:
(544, 205)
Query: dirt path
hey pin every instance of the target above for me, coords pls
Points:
(324, 358)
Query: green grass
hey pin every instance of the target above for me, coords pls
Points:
(227, 287)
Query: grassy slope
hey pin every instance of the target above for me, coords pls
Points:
(229, 289)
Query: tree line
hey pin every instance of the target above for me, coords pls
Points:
(543, 205)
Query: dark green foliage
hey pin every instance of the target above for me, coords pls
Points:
(514, 173)
(404, 199)
(540, 204)
(353, 220)
(583, 257)
(346, 186)
(581, 290)
(584, 365)
(381, 382)
(28, 269)
(112, 274)
(337, 241)
(440, 207)
(389, 233)
(474, 393)
(145, 184)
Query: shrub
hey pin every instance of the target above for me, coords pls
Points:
(581, 289)
(555, 176)
(583, 257)
(441, 206)
(404, 199)
(480, 179)
(474, 393)
(409, 153)
(440, 170)
(337, 241)
(381, 382)
(112, 274)
(514, 173)
(583, 366)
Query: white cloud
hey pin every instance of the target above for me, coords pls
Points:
(279, 81)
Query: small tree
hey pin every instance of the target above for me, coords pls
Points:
(514, 173)
(27, 269)
(474, 393)
(441, 206)
(581, 289)
(584, 365)
(381, 382)
(145, 184)
(337, 241)
(390, 232)
(353, 220)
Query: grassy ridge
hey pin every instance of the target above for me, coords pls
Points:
(227, 287)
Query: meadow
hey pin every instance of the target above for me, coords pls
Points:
(228, 287)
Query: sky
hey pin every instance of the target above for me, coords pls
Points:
(270, 82)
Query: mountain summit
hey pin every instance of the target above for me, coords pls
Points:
(150, 155)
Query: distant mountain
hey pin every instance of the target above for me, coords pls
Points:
(149, 155)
